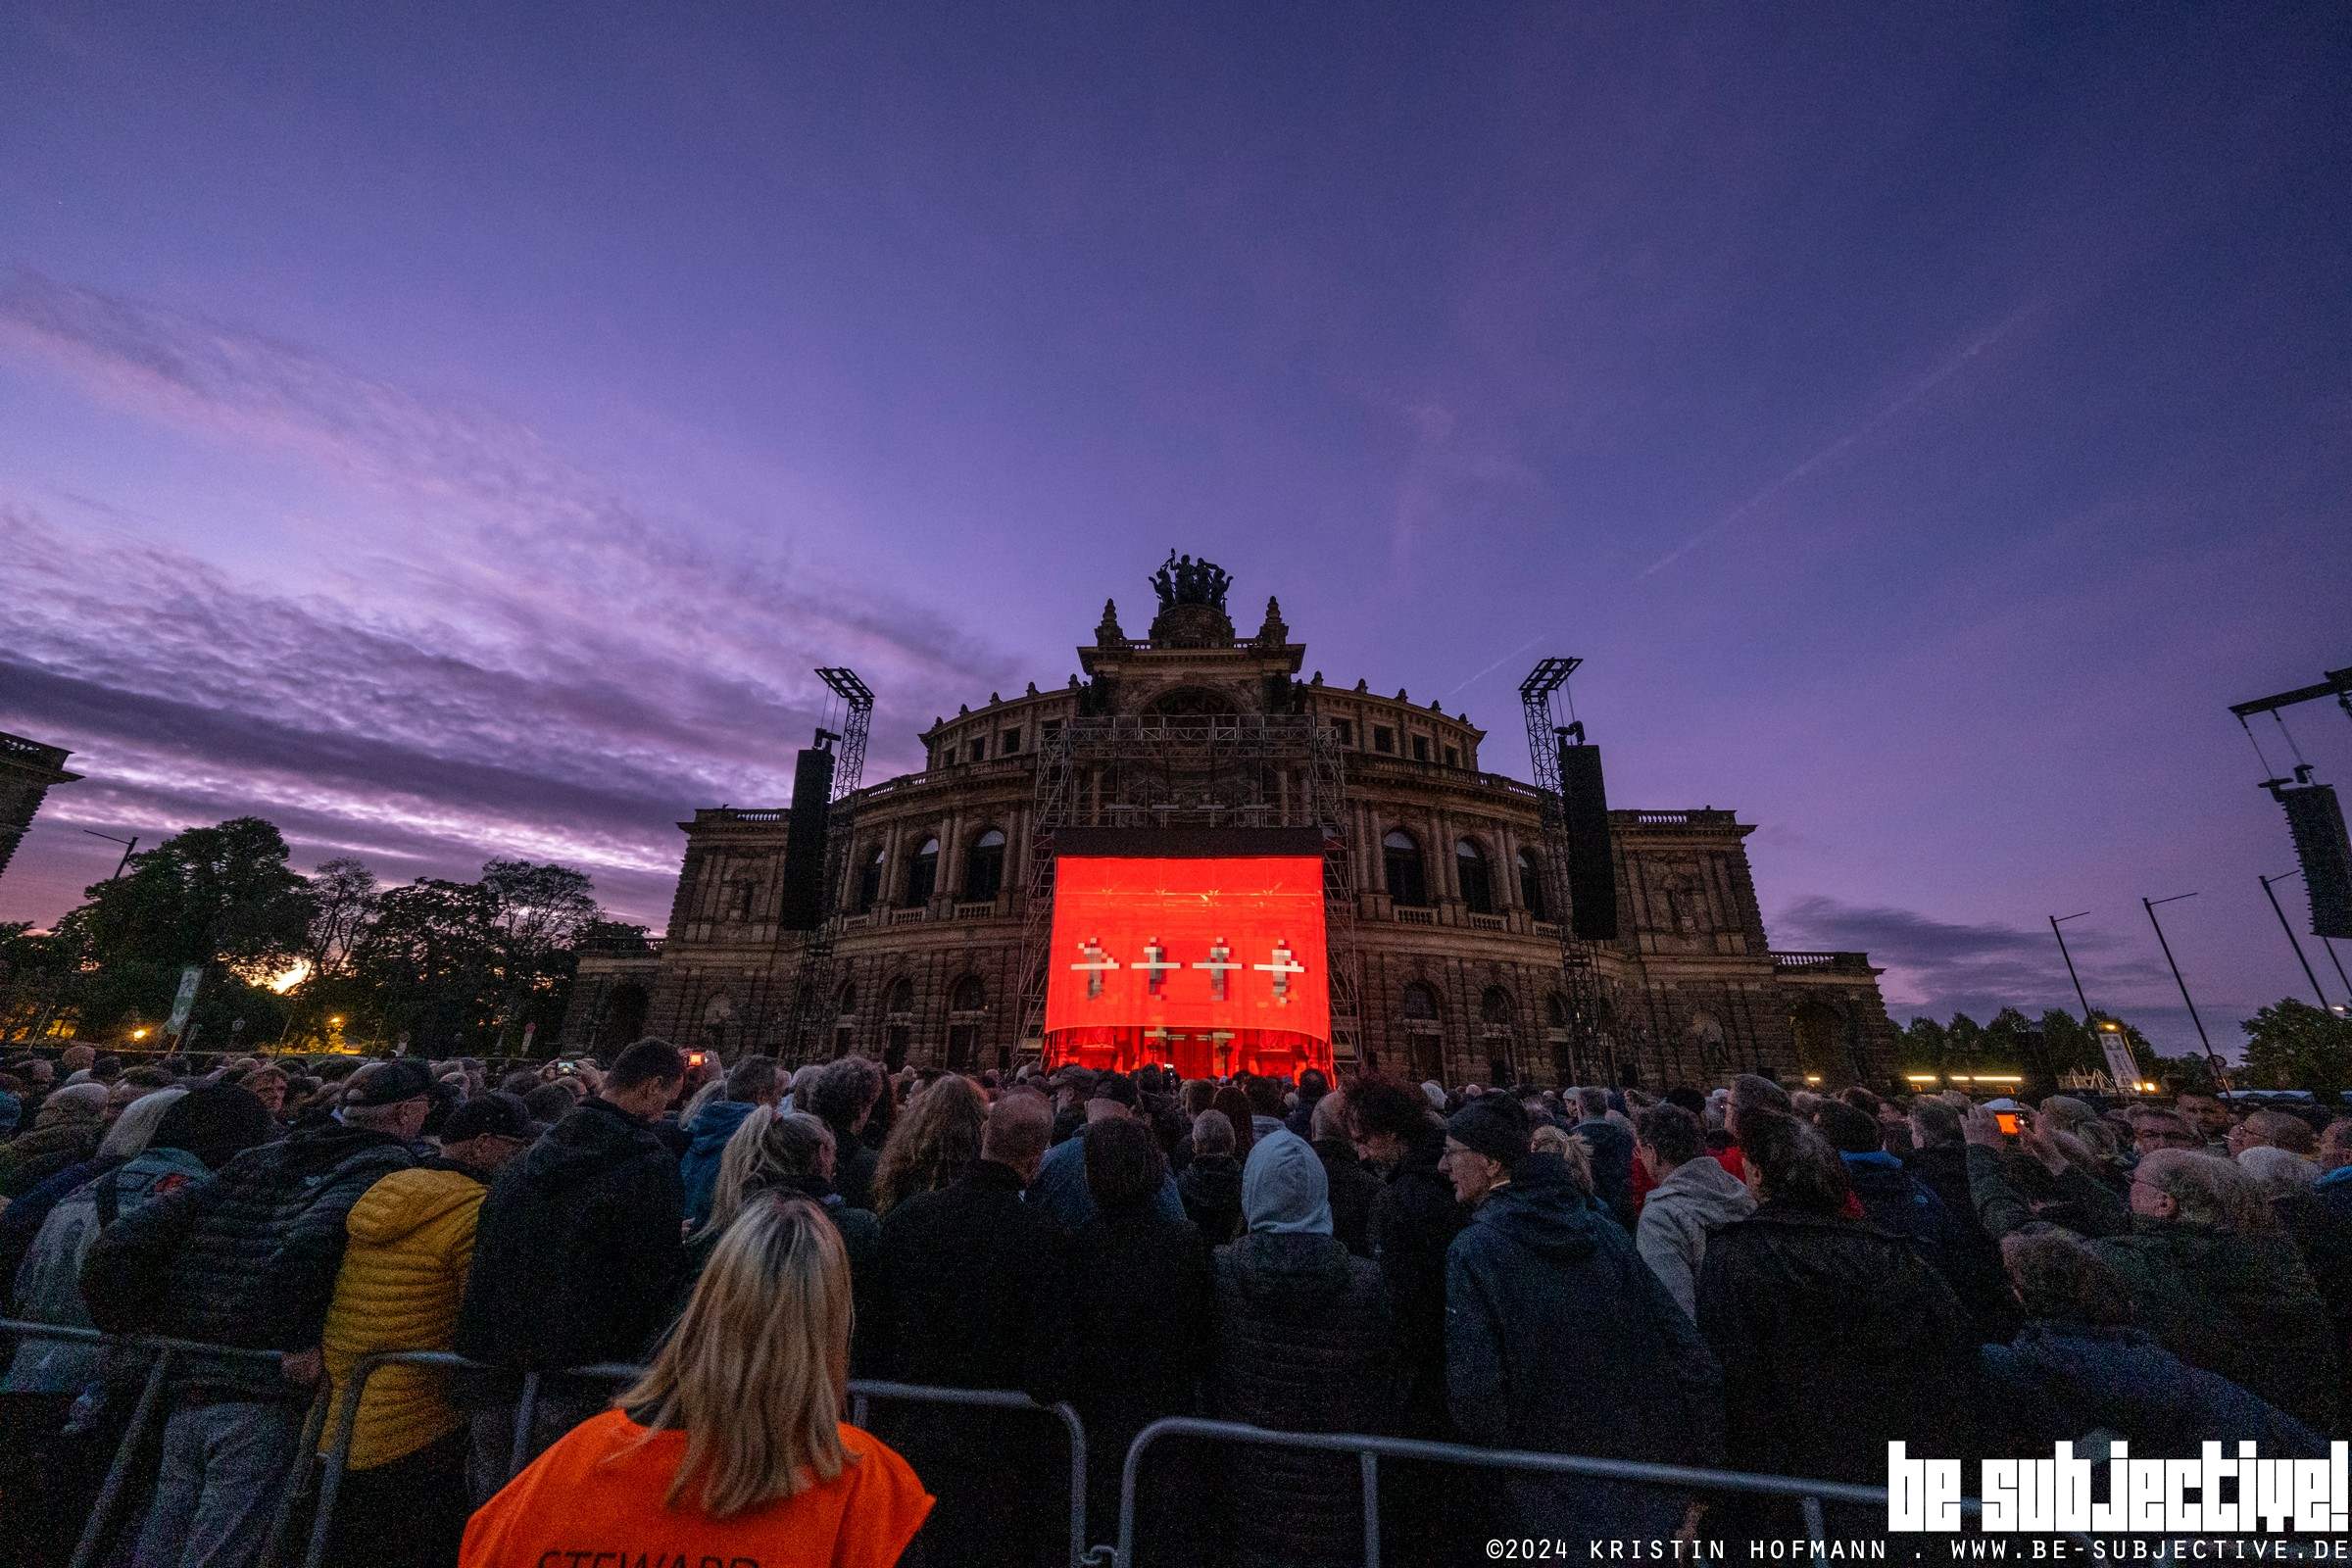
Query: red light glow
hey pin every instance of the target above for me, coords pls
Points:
(1207, 965)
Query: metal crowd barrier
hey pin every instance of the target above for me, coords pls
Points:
(863, 1394)
(1370, 1451)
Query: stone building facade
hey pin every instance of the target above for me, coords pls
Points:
(1458, 950)
(28, 769)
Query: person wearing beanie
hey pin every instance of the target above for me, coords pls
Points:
(1547, 1299)
(1302, 1344)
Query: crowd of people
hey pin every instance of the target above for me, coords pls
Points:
(1754, 1278)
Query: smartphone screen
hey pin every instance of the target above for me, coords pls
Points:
(2007, 1120)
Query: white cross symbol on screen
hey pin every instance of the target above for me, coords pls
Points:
(1218, 962)
(1154, 966)
(1097, 963)
(1284, 967)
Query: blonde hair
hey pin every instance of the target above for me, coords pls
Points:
(935, 1142)
(754, 1371)
(770, 1147)
(1574, 1152)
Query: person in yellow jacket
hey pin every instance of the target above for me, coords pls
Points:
(404, 1498)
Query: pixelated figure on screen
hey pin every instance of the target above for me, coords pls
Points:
(1206, 963)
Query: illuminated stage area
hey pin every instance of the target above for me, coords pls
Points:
(1186, 954)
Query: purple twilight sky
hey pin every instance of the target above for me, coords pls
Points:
(457, 430)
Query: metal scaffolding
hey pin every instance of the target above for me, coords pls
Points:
(812, 978)
(1246, 771)
(1587, 1050)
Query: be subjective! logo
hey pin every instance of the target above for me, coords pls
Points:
(2212, 1494)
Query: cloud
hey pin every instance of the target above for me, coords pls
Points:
(523, 660)
(1939, 967)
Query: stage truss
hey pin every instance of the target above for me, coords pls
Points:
(1252, 770)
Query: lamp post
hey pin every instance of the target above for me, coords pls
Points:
(2212, 1059)
(2057, 920)
(128, 845)
(2291, 939)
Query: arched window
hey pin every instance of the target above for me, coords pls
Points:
(922, 874)
(1420, 1004)
(1477, 877)
(1531, 886)
(900, 996)
(847, 1006)
(1400, 865)
(870, 881)
(984, 868)
(969, 996)
(1556, 1010)
(1494, 1007)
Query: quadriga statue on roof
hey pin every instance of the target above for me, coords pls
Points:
(1182, 580)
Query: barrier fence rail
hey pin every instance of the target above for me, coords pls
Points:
(336, 1428)
(1370, 1451)
(333, 1461)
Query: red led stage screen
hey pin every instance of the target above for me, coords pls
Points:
(1207, 964)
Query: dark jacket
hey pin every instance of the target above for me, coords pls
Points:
(31, 1159)
(21, 1220)
(861, 1238)
(1835, 1339)
(705, 1140)
(1302, 1344)
(1414, 1220)
(2244, 1306)
(972, 1291)
(1545, 1301)
(1973, 1264)
(2061, 1381)
(1211, 1190)
(248, 1258)
(576, 1250)
(1612, 1167)
(854, 1167)
(1353, 1189)
(1140, 1314)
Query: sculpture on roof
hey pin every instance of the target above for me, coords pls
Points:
(1182, 580)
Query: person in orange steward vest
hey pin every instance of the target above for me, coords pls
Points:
(730, 1446)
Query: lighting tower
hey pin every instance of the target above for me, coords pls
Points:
(1538, 695)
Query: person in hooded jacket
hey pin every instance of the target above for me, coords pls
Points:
(403, 1499)
(575, 1250)
(1835, 1337)
(1545, 1299)
(72, 1401)
(2080, 1366)
(1691, 1197)
(247, 1259)
(1302, 1344)
(754, 1080)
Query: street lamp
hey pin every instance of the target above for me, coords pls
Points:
(2212, 1060)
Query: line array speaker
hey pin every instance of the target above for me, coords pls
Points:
(1592, 866)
